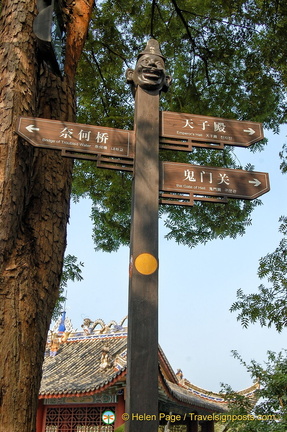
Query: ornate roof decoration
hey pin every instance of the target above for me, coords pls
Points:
(106, 358)
(63, 324)
(89, 326)
(179, 376)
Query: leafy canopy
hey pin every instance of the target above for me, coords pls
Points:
(268, 411)
(269, 305)
(226, 58)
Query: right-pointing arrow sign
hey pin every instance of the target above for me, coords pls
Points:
(212, 181)
(250, 131)
(255, 182)
(182, 131)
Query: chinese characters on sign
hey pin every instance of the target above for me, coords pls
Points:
(200, 180)
(204, 131)
(210, 178)
(76, 137)
(211, 127)
(84, 136)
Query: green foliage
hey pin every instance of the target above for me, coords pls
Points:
(71, 271)
(110, 192)
(192, 226)
(218, 53)
(269, 305)
(283, 157)
(224, 60)
(270, 411)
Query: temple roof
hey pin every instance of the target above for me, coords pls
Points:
(92, 361)
(75, 369)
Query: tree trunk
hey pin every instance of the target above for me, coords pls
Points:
(34, 203)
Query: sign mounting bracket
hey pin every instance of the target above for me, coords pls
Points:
(186, 144)
(187, 199)
(119, 164)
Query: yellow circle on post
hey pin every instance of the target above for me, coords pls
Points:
(146, 264)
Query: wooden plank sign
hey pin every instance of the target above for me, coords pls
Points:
(182, 131)
(76, 137)
(210, 181)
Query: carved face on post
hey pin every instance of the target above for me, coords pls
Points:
(149, 72)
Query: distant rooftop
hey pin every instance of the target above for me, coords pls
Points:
(94, 360)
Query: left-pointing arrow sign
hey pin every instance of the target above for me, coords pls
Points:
(32, 128)
(76, 137)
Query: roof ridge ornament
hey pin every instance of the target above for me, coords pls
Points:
(89, 326)
(106, 360)
(63, 324)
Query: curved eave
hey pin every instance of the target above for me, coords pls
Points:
(200, 402)
(165, 366)
(104, 385)
(176, 393)
(198, 399)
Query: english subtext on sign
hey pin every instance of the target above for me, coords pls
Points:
(220, 182)
(76, 137)
(208, 131)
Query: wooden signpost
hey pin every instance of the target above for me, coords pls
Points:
(173, 183)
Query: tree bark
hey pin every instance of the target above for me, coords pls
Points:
(34, 203)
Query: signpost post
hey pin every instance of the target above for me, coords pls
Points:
(142, 372)
(177, 183)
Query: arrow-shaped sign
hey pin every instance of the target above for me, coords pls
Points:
(181, 131)
(32, 128)
(206, 181)
(77, 137)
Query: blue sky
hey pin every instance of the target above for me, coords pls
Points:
(196, 286)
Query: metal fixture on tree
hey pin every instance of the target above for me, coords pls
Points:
(49, 30)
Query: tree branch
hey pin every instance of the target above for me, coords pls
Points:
(77, 27)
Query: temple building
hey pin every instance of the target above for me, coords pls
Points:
(84, 380)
